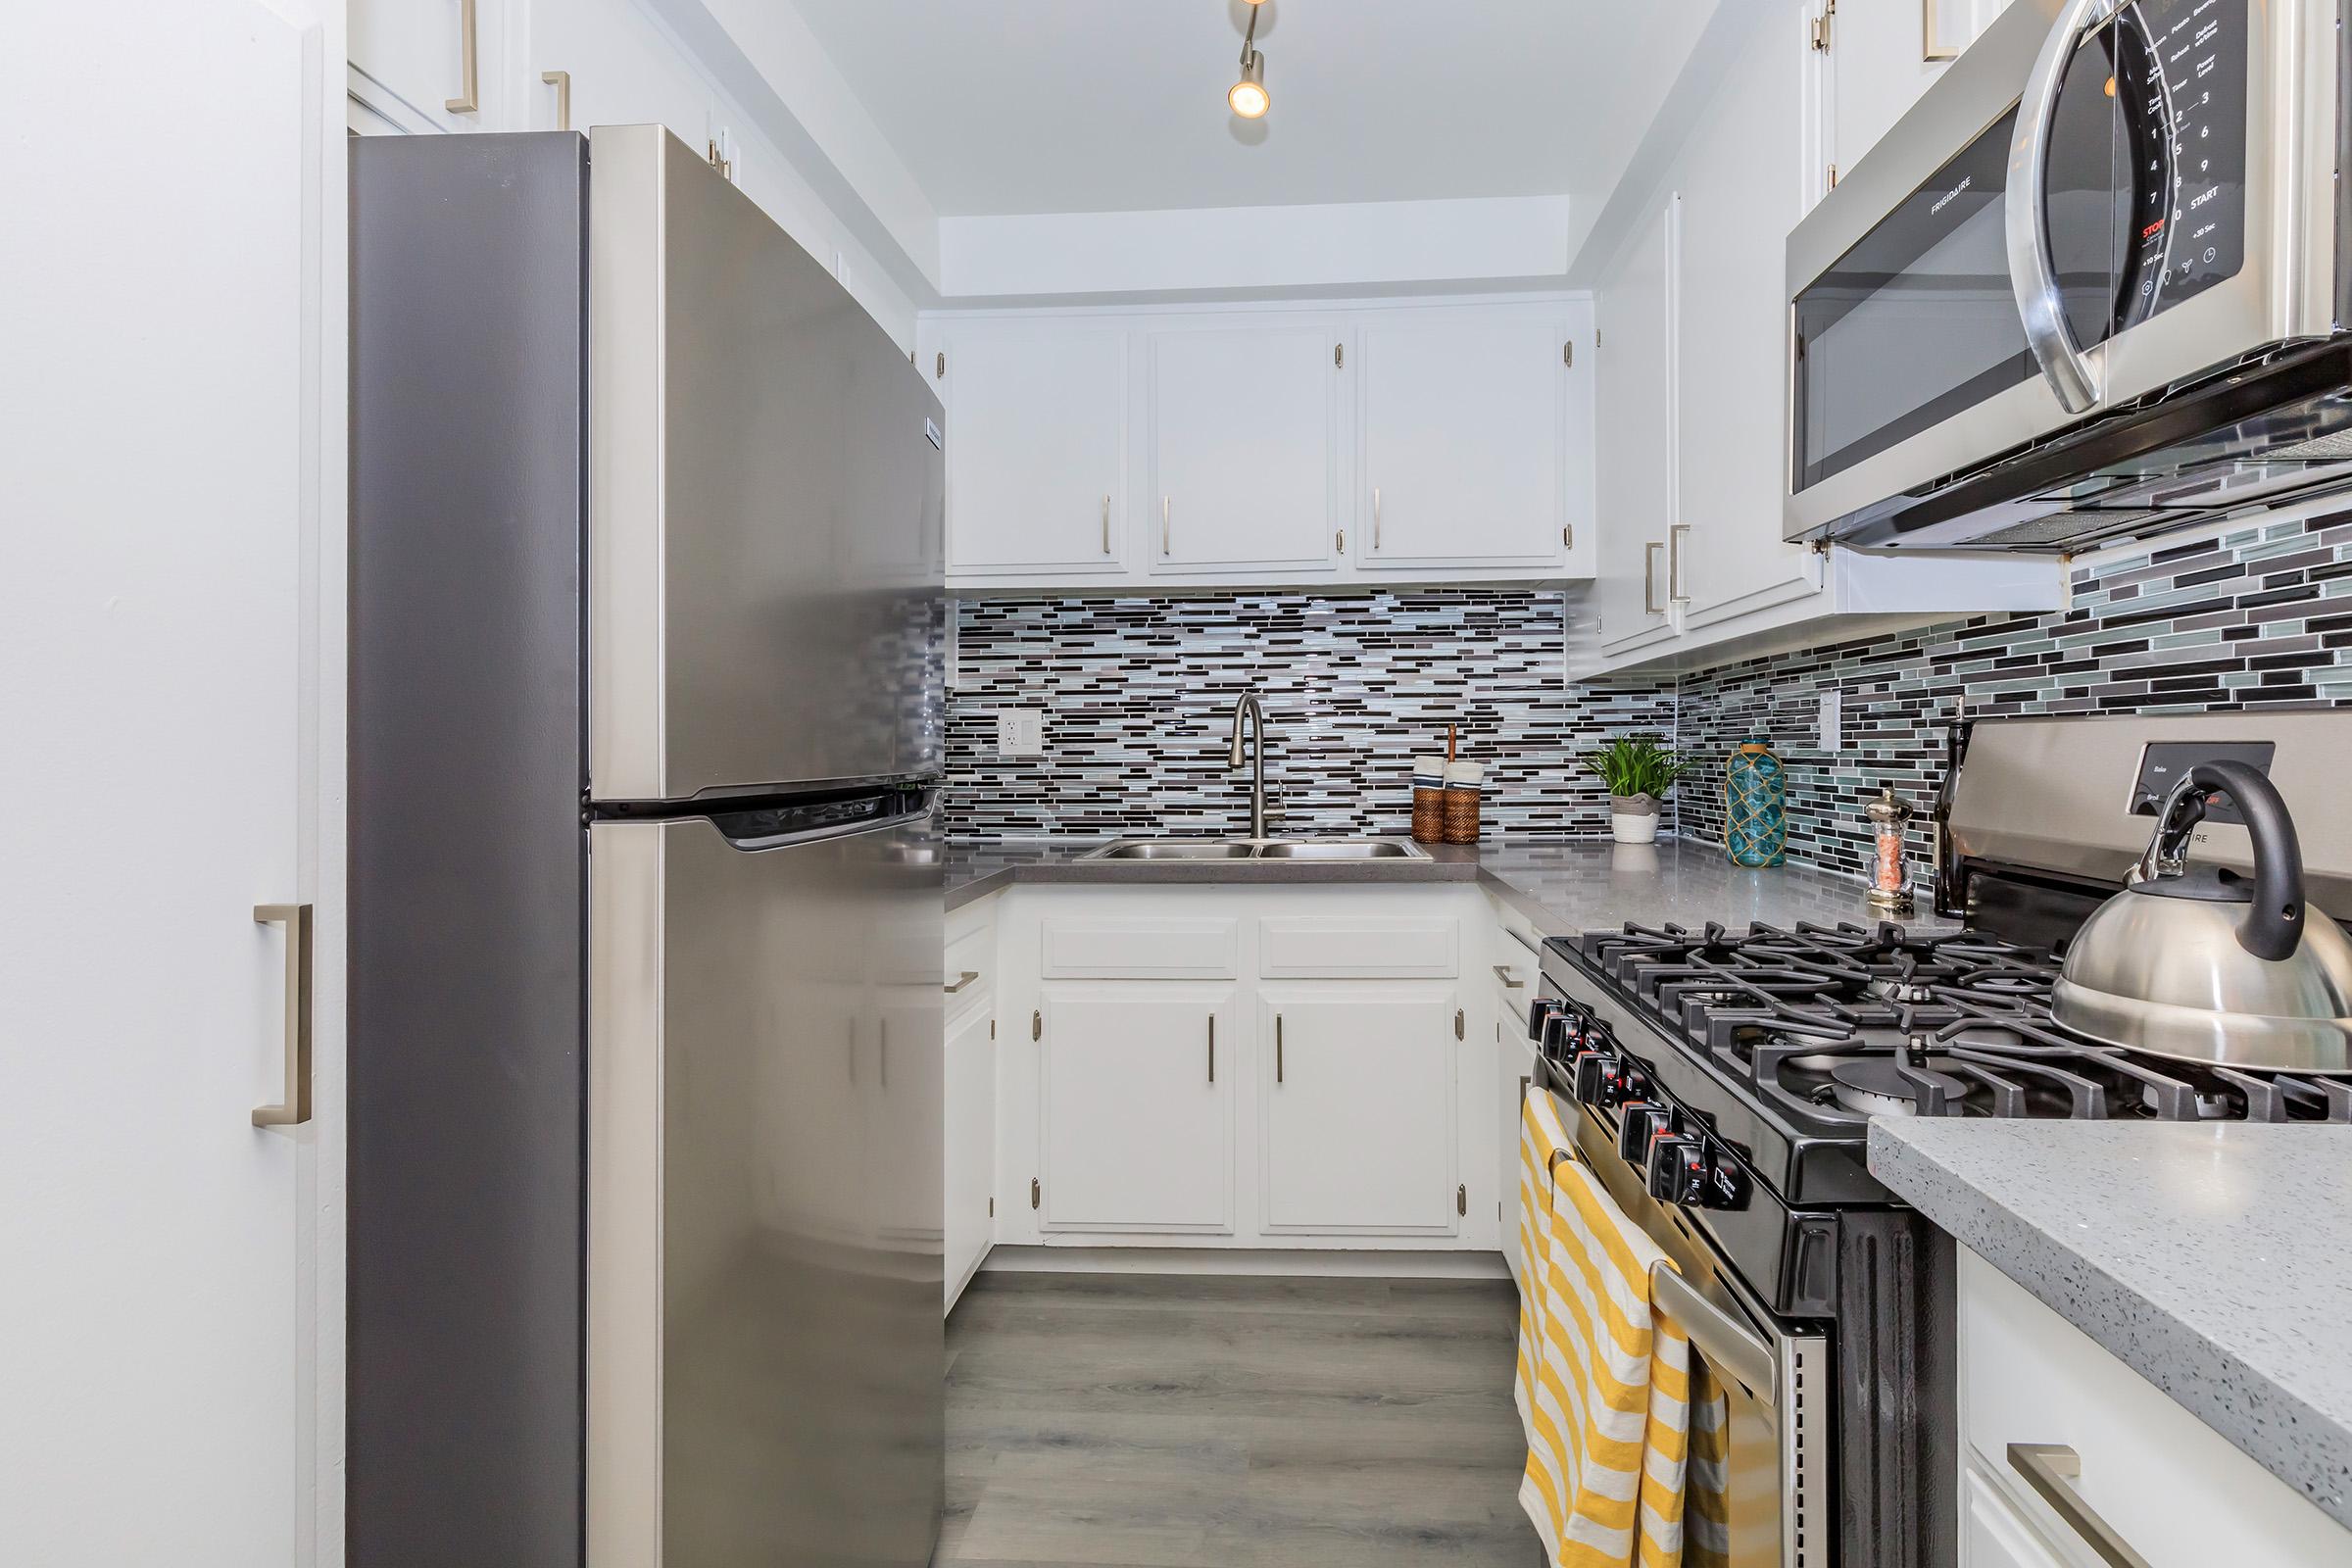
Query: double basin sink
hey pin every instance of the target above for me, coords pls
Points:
(1258, 849)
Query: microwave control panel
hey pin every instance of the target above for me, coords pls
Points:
(2181, 78)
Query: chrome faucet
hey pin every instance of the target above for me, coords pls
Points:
(1247, 708)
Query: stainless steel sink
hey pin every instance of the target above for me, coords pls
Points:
(1174, 850)
(1257, 848)
(1338, 849)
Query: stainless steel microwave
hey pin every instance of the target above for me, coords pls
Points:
(2092, 286)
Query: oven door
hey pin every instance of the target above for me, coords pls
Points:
(2101, 232)
(1771, 1385)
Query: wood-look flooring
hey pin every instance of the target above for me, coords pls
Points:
(1191, 1422)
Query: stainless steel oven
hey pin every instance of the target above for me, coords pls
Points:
(2088, 286)
(1772, 1375)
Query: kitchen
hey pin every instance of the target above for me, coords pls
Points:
(1684, 660)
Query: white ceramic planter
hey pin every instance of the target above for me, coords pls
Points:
(1633, 818)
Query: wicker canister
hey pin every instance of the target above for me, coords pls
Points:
(1429, 800)
(1464, 782)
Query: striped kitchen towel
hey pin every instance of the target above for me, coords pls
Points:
(1604, 1382)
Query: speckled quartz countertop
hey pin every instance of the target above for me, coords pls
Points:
(1562, 886)
(2216, 1262)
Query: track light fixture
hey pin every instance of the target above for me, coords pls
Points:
(1247, 97)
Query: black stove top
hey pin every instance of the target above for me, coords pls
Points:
(1799, 1035)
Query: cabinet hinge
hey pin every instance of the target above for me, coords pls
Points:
(1461, 1201)
(1833, 179)
(1568, 537)
(722, 162)
(1568, 355)
(1342, 541)
(1457, 1023)
(942, 366)
(1037, 1026)
(1820, 31)
(1037, 1192)
(1339, 355)
(1596, 337)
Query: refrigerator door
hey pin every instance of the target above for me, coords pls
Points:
(765, 520)
(765, 1355)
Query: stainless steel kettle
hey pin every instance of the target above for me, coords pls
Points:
(2203, 964)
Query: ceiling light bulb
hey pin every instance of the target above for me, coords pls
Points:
(1248, 96)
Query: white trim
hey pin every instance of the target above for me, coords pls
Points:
(1455, 1263)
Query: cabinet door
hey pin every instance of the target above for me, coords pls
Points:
(1138, 1107)
(1637, 442)
(623, 72)
(1741, 191)
(408, 63)
(971, 1155)
(1037, 448)
(1465, 441)
(1244, 449)
(1991, 1533)
(1358, 1133)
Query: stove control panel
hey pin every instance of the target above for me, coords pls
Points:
(1679, 1162)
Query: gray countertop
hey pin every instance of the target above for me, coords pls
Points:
(2213, 1260)
(1561, 886)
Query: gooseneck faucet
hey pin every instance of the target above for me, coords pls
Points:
(1246, 708)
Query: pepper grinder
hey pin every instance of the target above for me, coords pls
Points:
(1891, 884)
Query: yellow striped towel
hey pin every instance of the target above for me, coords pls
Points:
(1604, 1378)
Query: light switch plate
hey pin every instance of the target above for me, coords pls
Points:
(1021, 732)
(1833, 720)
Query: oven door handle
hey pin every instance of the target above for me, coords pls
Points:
(2033, 272)
(1729, 1344)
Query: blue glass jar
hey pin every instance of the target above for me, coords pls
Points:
(1756, 813)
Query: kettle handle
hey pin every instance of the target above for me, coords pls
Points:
(2274, 924)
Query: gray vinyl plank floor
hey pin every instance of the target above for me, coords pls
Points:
(1133, 1421)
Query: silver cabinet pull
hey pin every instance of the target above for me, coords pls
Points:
(1107, 525)
(2033, 275)
(1278, 1048)
(2048, 1468)
(1164, 534)
(560, 80)
(1674, 563)
(969, 975)
(1212, 1048)
(470, 90)
(1376, 520)
(1502, 972)
(1650, 579)
(295, 1108)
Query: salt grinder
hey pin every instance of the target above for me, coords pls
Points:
(1889, 883)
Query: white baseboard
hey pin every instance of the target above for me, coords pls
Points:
(1386, 1263)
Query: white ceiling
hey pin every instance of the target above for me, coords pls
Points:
(1087, 106)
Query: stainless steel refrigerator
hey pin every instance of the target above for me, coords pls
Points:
(644, 1011)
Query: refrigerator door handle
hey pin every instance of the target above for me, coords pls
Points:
(920, 806)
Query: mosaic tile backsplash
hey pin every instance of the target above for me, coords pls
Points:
(2261, 618)
(1138, 695)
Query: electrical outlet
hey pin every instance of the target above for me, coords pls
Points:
(1021, 732)
(1833, 720)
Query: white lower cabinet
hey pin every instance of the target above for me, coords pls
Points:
(2046, 1410)
(972, 1143)
(1360, 1098)
(1278, 1067)
(1138, 1107)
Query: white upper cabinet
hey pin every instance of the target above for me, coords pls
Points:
(1466, 419)
(617, 69)
(416, 65)
(1631, 602)
(1877, 57)
(1244, 466)
(1738, 203)
(1036, 447)
(1258, 439)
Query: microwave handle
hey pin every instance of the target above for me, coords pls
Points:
(2033, 275)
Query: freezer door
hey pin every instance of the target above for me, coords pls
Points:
(766, 1356)
(766, 515)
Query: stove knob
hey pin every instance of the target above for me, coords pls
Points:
(1638, 1122)
(1593, 1073)
(1678, 1171)
(1539, 1013)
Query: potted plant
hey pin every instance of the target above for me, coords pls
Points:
(1638, 769)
